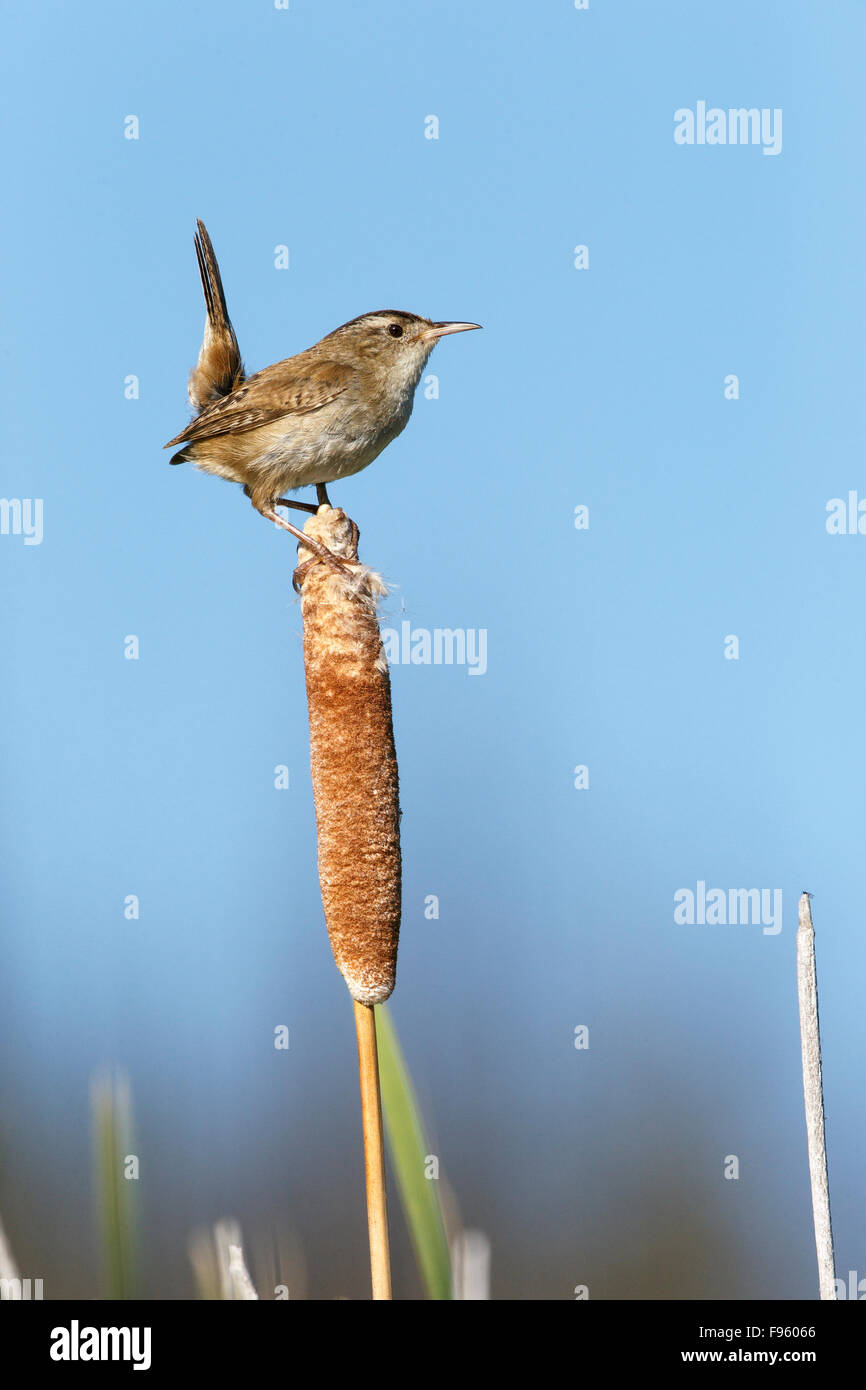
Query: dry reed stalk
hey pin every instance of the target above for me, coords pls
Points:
(813, 1093)
(355, 789)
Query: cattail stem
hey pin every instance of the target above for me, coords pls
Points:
(355, 789)
(813, 1093)
(374, 1150)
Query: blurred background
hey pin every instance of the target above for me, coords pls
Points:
(159, 897)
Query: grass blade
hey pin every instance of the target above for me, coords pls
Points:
(111, 1109)
(409, 1150)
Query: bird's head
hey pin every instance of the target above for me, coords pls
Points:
(393, 339)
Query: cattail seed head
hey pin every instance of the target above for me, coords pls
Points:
(353, 762)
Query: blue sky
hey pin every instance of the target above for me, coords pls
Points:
(601, 387)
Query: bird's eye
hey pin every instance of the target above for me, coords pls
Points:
(395, 330)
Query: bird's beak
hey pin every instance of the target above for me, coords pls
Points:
(439, 330)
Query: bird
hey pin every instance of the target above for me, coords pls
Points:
(308, 420)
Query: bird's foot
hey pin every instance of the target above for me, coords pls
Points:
(301, 506)
(312, 544)
(321, 552)
(300, 573)
(355, 535)
(342, 564)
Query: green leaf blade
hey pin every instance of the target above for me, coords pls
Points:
(409, 1149)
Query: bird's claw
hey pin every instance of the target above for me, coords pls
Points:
(325, 556)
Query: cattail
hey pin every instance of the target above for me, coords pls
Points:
(355, 789)
(354, 765)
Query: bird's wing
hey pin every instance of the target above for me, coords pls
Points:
(291, 387)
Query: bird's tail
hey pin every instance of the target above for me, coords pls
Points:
(219, 369)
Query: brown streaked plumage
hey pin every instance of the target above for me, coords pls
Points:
(324, 414)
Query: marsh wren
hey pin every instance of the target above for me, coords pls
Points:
(308, 420)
